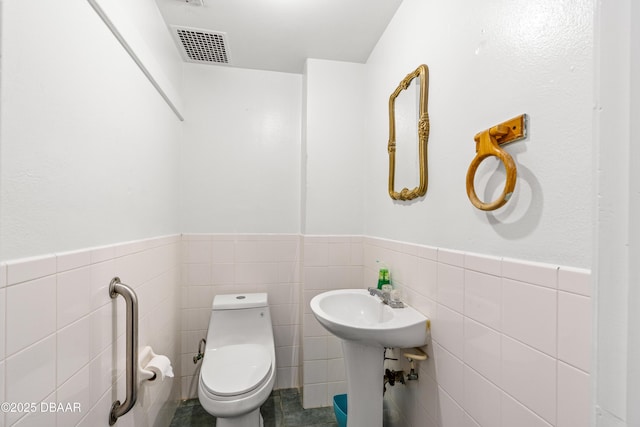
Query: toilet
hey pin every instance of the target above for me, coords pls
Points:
(239, 366)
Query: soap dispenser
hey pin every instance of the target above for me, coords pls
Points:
(383, 277)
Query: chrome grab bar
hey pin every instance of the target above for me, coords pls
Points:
(115, 288)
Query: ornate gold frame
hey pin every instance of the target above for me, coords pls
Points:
(423, 135)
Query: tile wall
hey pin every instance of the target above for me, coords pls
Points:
(511, 339)
(234, 263)
(62, 336)
(333, 262)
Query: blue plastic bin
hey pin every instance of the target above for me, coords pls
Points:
(340, 408)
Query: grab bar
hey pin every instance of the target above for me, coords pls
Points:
(115, 288)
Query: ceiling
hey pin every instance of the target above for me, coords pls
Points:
(278, 35)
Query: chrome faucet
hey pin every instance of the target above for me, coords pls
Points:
(385, 297)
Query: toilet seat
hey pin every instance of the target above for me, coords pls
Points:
(235, 369)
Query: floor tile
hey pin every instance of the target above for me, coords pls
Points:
(283, 408)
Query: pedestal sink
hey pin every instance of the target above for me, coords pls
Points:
(366, 327)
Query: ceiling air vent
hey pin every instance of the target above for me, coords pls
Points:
(202, 46)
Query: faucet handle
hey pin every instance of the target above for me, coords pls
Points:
(396, 304)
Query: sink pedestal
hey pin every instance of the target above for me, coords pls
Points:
(364, 366)
(366, 326)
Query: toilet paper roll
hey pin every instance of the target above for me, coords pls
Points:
(161, 366)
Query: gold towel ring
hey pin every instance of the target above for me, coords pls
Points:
(488, 145)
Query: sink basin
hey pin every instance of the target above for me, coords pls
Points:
(353, 314)
(366, 326)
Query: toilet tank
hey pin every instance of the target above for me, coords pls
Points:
(240, 319)
(239, 301)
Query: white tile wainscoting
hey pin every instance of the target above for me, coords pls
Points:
(510, 344)
(511, 339)
(62, 337)
(235, 263)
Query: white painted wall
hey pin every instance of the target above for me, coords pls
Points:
(617, 48)
(545, 70)
(241, 151)
(612, 263)
(140, 30)
(152, 29)
(633, 373)
(490, 62)
(334, 147)
(88, 146)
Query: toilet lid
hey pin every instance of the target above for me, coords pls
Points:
(235, 369)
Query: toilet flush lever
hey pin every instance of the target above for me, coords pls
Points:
(201, 348)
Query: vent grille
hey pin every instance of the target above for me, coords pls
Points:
(203, 46)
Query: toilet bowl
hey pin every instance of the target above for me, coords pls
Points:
(238, 369)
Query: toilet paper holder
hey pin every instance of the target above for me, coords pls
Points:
(145, 372)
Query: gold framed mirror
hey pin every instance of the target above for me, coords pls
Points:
(415, 123)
